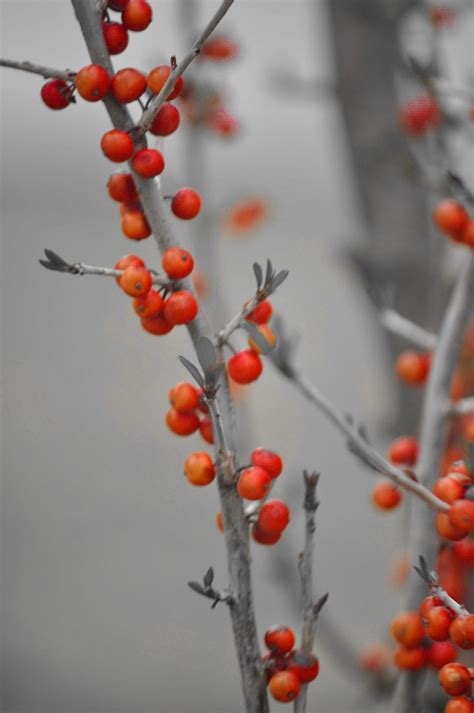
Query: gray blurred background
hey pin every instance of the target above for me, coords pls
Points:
(99, 529)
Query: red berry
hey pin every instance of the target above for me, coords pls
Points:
(205, 429)
(427, 604)
(56, 94)
(412, 368)
(223, 123)
(280, 639)
(128, 85)
(183, 424)
(245, 366)
(446, 529)
(184, 397)
(461, 515)
(158, 78)
(304, 666)
(92, 82)
(464, 552)
(121, 187)
(148, 163)
(135, 225)
(166, 120)
(148, 306)
(440, 653)
(450, 217)
(448, 489)
(462, 631)
(407, 629)
(410, 659)
(385, 495)
(253, 483)
(199, 468)
(186, 204)
(438, 621)
(135, 281)
(419, 115)
(125, 262)
(273, 517)
(180, 307)
(177, 263)
(264, 538)
(219, 49)
(117, 145)
(459, 705)
(403, 451)
(284, 686)
(268, 460)
(455, 679)
(115, 37)
(156, 325)
(137, 15)
(261, 314)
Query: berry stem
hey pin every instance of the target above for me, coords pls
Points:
(47, 72)
(155, 105)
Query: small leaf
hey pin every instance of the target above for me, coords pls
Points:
(51, 266)
(258, 274)
(55, 259)
(206, 353)
(269, 273)
(197, 587)
(208, 578)
(319, 604)
(279, 278)
(193, 370)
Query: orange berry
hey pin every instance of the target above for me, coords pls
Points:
(253, 483)
(273, 517)
(199, 468)
(184, 397)
(462, 631)
(438, 622)
(135, 225)
(183, 424)
(304, 666)
(148, 306)
(205, 429)
(125, 262)
(446, 529)
(386, 496)
(280, 639)
(448, 489)
(459, 705)
(410, 659)
(461, 515)
(156, 325)
(403, 451)
(440, 653)
(117, 145)
(264, 538)
(450, 217)
(92, 82)
(427, 604)
(128, 85)
(135, 281)
(177, 263)
(245, 366)
(166, 121)
(121, 187)
(148, 163)
(157, 79)
(455, 679)
(407, 629)
(219, 49)
(284, 686)
(180, 307)
(261, 314)
(412, 368)
(186, 204)
(137, 15)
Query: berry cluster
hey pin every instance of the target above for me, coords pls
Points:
(287, 668)
(159, 310)
(457, 489)
(188, 414)
(452, 219)
(246, 366)
(403, 452)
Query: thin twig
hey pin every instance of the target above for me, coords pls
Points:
(237, 321)
(431, 579)
(310, 608)
(397, 324)
(150, 113)
(47, 72)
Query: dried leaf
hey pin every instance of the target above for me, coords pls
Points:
(269, 273)
(279, 278)
(258, 274)
(208, 578)
(55, 259)
(197, 587)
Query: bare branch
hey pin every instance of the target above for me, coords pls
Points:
(47, 72)
(81, 268)
(310, 608)
(395, 323)
(149, 114)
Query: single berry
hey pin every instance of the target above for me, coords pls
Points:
(117, 145)
(245, 366)
(121, 187)
(407, 629)
(459, 705)
(156, 325)
(199, 468)
(92, 82)
(410, 659)
(427, 604)
(446, 529)
(386, 496)
(184, 397)
(448, 489)
(412, 368)
(135, 225)
(273, 517)
(137, 15)
(253, 483)
(284, 686)
(183, 424)
(125, 262)
(180, 307)
(148, 163)
(56, 94)
(461, 514)
(440, 653)
(220, 521)
(304, 666)
(462, 631)
(115, 37)
(128, 85)
(450, 217)
(268, 460)
(166, 121)
(205, 429)
(264, 538)
(419, 115)
(280, 639)
(158, 78)
(186, 204)
(438, 622)
(148, 306)
(455, 679)
(219, 49)
(403, 451)
(261, 314)
(135, 281)
(177, 263)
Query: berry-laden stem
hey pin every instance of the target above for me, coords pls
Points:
(310, 505)
(403, 327)
(434, 426)
(369, 454)
(81, 268)
(155, 105)
(46, 72)
(88, 13)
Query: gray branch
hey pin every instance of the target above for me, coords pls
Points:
(88, 13)
(403, 327)
(47, 72)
